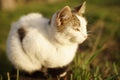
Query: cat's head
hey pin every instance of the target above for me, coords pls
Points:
(70, 24)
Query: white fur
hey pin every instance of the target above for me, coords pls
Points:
(43, 45)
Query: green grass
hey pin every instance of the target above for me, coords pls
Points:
(97, 58)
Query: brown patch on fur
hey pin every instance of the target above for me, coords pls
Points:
(22, 33)
(73, 21)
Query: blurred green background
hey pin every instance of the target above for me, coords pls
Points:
(103, 18)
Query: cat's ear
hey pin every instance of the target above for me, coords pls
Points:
(63, 14)
(81, 8)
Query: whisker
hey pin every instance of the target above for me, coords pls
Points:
(89, 32)
(90, 36)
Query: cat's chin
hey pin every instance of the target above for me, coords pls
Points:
(80, 42)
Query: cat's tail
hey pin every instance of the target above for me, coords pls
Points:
(16, 53)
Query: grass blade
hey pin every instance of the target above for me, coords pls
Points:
(115, 68)
(1, 77)
(112, 77)
(17, 77)
(93, 56)
(8, 75)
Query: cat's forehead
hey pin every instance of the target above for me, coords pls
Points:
(73, 20)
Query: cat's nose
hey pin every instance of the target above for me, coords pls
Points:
(85, 36)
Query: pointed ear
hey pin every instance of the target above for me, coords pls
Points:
(63, 14)
(81, 8)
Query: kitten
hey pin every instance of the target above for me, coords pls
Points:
(35, 42)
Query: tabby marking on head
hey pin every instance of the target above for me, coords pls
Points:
(73, 20)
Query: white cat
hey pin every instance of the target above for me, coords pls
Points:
(35, 41)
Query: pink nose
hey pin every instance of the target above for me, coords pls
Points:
(85, 36)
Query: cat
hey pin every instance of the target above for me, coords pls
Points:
(35, 42)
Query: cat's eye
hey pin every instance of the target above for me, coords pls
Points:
(76, 29)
